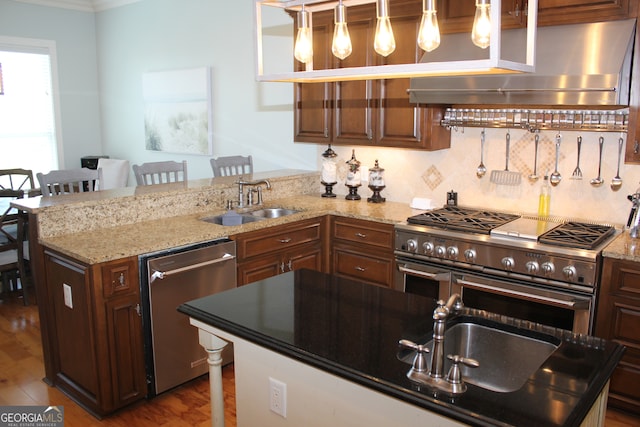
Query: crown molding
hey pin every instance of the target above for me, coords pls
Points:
(82, 5)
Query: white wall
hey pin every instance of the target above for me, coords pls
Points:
(157, 35)
(74, 35)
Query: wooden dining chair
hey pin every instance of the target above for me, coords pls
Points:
(232, 165)
(69, 181)
(160, 172)
(18, 179)
(14, 248)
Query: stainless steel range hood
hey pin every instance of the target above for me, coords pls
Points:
(576, 65)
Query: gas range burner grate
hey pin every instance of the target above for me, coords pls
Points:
(463, 219)
(577, 235)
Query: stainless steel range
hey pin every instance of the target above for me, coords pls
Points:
(544, 270)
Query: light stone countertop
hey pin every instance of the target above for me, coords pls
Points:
(107, 244)
(623, 247)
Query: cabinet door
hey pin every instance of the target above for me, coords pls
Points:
(121, 289)
(558, 12)
(353, 107)
(618, 319)
(258, 269)
(124, 332)
(312, 112)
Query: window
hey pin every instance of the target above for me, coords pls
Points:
(29, 136)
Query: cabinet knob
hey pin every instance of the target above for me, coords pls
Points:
(636, 147)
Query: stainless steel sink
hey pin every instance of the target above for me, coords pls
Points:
(252, 216)
(507, 359)
(272, 212)
(243, 219)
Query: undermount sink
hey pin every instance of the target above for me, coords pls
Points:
(272, 212)
(507, 359)
(243, 219)
(252, 216)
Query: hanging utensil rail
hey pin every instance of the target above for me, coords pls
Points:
(536, 120)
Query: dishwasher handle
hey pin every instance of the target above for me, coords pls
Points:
(162, 274)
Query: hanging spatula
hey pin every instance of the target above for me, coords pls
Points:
(506, 177)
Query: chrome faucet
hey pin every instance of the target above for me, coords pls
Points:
(453, 383)
(241, 183)
(440, 315)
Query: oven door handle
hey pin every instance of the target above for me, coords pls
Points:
(570, 304)
(439, 277)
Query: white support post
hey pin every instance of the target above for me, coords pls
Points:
(214, 346)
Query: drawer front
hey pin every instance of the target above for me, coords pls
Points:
(120, 277)
(363, 267)
(278, 239)
(364, 232)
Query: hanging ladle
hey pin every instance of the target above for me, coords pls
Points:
(481, 167)
(555, 177)
(534, 176)
(616, 182)
(597, 182)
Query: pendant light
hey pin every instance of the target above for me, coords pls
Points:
(384, 42)
(481, 32)
(304, 40)
(429, 33)
(341, 46)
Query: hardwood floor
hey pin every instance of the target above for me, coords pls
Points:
(22, 372)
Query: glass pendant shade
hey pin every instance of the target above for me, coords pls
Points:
(341, 46)
(303, 50)
(384, 42)
(429, 33)
(481, 32)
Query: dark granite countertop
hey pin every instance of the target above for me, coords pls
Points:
(352, 330)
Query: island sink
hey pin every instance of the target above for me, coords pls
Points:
(507, 356)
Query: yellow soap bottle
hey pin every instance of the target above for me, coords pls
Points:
(544, 201)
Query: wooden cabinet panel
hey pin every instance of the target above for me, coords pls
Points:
(371, 112)
(76, 368)
(362, 250)
(364, 267)
(618, 319)
(99, 353)
(274, 250)
(363, 232)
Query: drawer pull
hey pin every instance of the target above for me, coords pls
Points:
(362, 236)
(358, 268)
(287, 240)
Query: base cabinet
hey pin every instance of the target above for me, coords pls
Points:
(278, 249)
(618, 319)
(98, 354)
(362, 250)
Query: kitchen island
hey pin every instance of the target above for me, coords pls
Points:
(334, 343)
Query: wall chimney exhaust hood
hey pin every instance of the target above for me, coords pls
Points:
(586, 65)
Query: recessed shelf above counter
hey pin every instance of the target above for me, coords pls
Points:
(538, 119)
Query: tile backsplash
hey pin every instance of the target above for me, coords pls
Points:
(411, 173)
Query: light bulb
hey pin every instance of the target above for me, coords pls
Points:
(481, 33)
(304, 40)
(429, 34)
(384, 42)
(341, 46)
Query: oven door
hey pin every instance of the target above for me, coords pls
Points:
(557, 308)
(423, 279)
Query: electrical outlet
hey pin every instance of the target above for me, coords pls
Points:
(278, 397)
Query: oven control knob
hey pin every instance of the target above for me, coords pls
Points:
(470, 255)
(440, 251)
(569, 272)
(508, 263)
(548, 268)
(452, 252)
(532, 267)
(428, 248)
(412, 245)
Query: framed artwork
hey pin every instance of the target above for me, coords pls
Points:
(178, 111)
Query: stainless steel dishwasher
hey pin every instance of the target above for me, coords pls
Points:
(168, 279)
